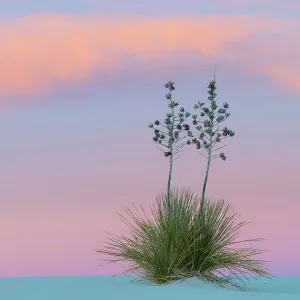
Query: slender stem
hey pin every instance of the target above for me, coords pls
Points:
(206, 176)
(169, 180)
(171, 142)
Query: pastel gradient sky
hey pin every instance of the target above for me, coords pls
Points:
(81, 80)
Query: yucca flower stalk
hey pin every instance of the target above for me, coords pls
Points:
(169, 136)
(209, 133)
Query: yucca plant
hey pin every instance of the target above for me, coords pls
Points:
(181, 246)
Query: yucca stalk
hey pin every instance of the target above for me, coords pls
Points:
(209, 134)
(168, 137)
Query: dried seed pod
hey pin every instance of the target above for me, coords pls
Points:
(167, 154)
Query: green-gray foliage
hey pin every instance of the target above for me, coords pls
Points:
(181, 246)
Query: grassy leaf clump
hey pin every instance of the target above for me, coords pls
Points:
(164, 249)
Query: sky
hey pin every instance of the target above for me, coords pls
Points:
(81, 80)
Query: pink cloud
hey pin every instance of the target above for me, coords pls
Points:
(40, 51)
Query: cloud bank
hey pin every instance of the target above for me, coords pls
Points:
(40, 51)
